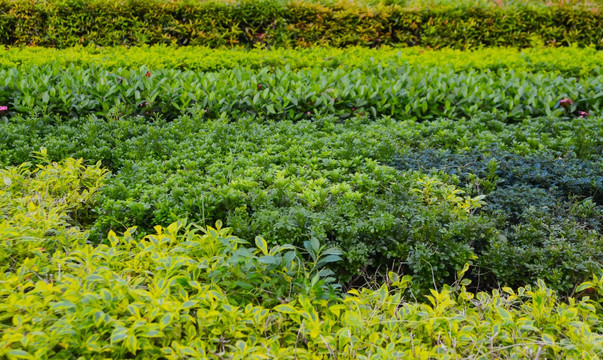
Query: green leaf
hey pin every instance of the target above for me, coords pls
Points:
(289, 256)
(119, 334)
(270, 109)
(548, 339)
(310, 250)
(584, 286)
(20, 354)
(466, 282)
(328, 259)
(99, 318)
(261, 244)
(152, 333)
(504, 314)
(315, 244)
(285, 309)
(132, 344)
(63, 305)
(166, 320)
(461, 273)
(188, 304)
(353, 319)
(269, 259)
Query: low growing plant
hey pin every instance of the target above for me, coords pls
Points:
(188, 292)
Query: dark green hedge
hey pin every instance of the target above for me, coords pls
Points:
(64, 23)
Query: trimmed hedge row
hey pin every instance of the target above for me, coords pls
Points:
(402, 92)
(64, 23)
(567, 61)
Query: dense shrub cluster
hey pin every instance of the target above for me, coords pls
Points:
(549, 209)
(191, 292)
(291, 182)
(60, 23)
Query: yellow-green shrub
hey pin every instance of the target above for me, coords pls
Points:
(180, 293)
(40, 208)
(567, 61)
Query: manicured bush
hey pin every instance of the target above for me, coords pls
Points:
(191, 292)
(61, 23)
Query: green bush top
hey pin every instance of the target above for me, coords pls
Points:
(295, 24)
(567, 61)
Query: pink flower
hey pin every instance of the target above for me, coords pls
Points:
(566, 102)
(583, 114)
(308, 113)
(3, 108)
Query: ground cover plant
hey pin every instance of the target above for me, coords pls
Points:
(371, 202)
(282, 94)
(566, 61)
(190, 292)
(361, 185)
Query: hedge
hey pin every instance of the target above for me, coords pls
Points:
(567, 61)
(64, 23)
(402, 92)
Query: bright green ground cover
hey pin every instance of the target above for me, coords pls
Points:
(412, 161)
(570, 61)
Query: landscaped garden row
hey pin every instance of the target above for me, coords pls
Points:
(59, 23)
(387, 203)
(518, 201)
(508, 164)
(400, 91)
(186, 291)
(566, 61)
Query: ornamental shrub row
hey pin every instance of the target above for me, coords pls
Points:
(567, 61)
(186, 291)
(65, 23)
(402, 92)
(375, 189)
